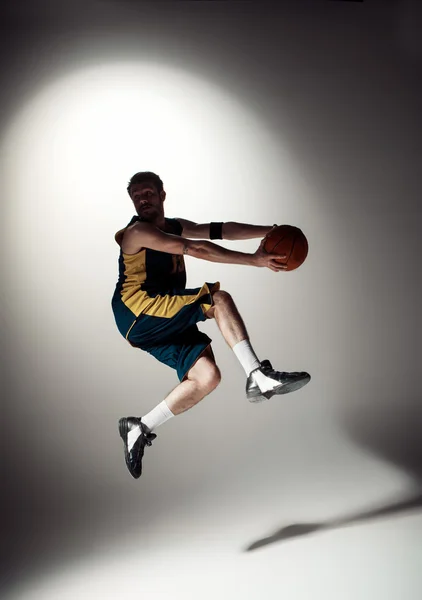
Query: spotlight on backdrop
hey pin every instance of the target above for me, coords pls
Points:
(71, 150)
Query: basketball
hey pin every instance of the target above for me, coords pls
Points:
(288, 240)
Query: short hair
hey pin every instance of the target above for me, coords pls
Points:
(144, 176)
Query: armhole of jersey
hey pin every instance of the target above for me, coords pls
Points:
(178, 227)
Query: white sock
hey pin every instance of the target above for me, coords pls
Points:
(157, 416)
(246, 356)
(249, 361)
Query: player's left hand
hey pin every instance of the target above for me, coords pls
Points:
(274, 262)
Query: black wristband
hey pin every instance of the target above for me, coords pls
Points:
(216, 231)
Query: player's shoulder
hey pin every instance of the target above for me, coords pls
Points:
(127, 229)
(135, 224)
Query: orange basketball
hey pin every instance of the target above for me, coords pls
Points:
(288, 240)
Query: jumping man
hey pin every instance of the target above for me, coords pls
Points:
(155, 311)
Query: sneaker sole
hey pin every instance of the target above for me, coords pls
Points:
(123, 428)
(123, 431)
(284, 388)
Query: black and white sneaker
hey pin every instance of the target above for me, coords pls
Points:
(133, 457)
(283, 382)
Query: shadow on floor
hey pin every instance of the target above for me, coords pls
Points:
(411, 503)
(388, 428)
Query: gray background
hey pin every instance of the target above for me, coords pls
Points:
(331, 93)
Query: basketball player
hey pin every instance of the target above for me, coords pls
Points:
(156, 313)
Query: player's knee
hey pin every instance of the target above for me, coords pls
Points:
(211, 378)
(221, 296)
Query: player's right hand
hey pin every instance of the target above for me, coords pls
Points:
(262, 258)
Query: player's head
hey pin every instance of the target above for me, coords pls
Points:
(147, 193)
(145, 177)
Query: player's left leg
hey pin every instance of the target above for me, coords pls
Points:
(263, 381)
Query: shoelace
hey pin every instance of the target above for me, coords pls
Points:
(266, 364)
(149, 437)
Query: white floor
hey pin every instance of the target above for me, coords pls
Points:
(192, 545)
(190, 561)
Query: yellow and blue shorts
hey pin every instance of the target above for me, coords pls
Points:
(173, 339)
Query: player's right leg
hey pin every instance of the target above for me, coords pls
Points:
(201, 379)
(263, 381)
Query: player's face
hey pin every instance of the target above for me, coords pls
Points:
(147, 201)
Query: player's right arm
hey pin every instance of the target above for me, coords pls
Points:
(145, 235)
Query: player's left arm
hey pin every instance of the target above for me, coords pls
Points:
(229, 230)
